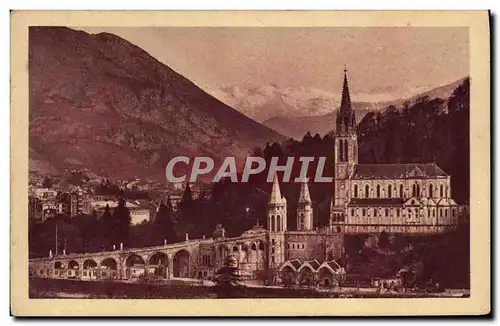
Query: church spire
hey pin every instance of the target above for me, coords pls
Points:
(346, 121)
(275, 191)
(304, 197)
(345, 105)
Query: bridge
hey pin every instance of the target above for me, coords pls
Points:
(199, 258)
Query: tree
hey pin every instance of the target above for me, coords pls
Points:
(122, 220)
(47, 182)
(164, 226)
(383, 240)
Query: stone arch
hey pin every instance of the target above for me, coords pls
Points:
(109, 268)
(158, 262)
(253, 246)
(306, 275)
(73, 264)
(109, 263)
(89, 269)
(288, 276)
(401, 190)
(89, 264)
(367, 191)
(326, 277)
(181, 264)
(135, 266)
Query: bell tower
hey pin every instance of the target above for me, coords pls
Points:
(276, 225)
(304, 209)
(345, 152)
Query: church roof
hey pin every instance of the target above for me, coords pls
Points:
(333, 264)
(398, 171)
(313, 263)
(296, 263)
(375, 202)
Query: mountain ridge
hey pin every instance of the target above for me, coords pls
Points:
(99, 102)
(297, 127)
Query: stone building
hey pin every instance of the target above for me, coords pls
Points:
(397, 198)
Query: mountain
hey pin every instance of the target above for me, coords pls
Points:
(443, 92)
(101, 103)
(297, 127)
(266, 101)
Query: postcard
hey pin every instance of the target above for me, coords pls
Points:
(244, 163)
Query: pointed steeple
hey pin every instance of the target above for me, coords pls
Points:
(275, 191)
(304, 197)
(346, 120)
(345, 104)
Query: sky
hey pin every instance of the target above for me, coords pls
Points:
(380, 60)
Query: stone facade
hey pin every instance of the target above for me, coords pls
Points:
(397, 198)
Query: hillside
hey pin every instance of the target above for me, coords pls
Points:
(100, 102)
(297, 127)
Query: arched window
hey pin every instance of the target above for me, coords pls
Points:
(401, 191)
(355, 191)
(341, 149)
(378, 191)
(414, 190)
(418, 190)
(389, 191)
(346, 151)
(441, 191)
(352, 211)
(367, 191)
(278, 223)
(430, 191)
(273, 223)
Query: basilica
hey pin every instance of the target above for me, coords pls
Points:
(397, 198)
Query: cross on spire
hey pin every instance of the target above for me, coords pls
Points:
(346, 121)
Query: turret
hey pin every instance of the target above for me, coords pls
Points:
(276, 212)
(304, 209)
(276, 225)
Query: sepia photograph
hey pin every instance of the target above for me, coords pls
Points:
(251, 162)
